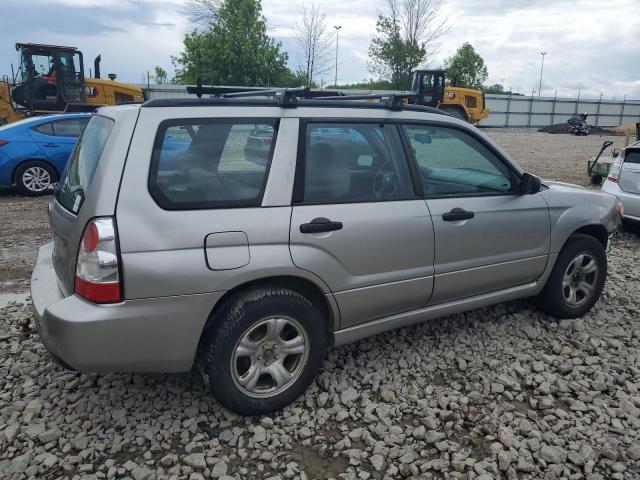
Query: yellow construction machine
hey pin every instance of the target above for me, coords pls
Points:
(51, 79)
(430, 89)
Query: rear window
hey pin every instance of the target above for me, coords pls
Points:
(632, 156)
(210, 163)
(83, 163)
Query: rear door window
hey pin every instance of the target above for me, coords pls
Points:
(353, 163)
(632, 157)
(83, 163)
(211, 163)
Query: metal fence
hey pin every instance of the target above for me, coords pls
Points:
(513, 110)
(519, 111)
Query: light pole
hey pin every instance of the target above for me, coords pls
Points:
(541, 69)
(337, 27)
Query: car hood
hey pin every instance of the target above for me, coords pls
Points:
(562, 185)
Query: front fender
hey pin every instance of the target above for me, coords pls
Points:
(571, 210)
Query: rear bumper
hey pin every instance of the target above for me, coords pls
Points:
(146, 335)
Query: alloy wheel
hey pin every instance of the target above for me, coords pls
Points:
(36, 179)
(579, 280)
(269, 357)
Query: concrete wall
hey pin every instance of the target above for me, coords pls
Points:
(512, 111)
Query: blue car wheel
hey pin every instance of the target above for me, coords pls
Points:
(34, 178)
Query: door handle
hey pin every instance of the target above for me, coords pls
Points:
(320, 224)
(457, 214)
(49, 145)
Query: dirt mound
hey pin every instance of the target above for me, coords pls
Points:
(564, 128)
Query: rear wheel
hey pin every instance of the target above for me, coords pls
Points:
(34, 178)
(577, 278)
(596, 180)
(262, 350)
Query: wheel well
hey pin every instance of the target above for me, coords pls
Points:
(15, 169)
(300, 285)
(599, 232)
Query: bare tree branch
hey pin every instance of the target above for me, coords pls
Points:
(407, 34)
(202, 13)
(315, 43)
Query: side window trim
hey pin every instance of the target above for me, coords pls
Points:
(514, 175)
(297, 197)
(166, 204)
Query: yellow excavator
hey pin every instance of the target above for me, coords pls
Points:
(430, 89)
(51, 79)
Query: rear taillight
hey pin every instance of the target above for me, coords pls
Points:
(3, 143)
(97, 268)
(614, 173)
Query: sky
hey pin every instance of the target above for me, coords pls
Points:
(593, 46)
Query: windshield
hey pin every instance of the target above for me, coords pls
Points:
(83, 163)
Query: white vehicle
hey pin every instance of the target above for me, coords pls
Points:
(624, 182)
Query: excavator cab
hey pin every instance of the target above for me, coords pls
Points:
(49, 77)
(429, 87)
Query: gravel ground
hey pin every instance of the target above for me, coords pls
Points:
(501, 392)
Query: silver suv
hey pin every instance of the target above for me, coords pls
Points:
(181, 239)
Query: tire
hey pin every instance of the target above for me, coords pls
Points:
(34, 178)
(596, 180)
(556, 298)
(631, 226)
(456, 112)
(243, 339)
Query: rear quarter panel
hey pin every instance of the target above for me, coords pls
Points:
(100, 199)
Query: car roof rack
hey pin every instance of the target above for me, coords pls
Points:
(289, 97)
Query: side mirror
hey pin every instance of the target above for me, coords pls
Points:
(529, 184)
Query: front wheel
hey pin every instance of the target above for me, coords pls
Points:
(34, 178)
(577, 278)
(262, 350)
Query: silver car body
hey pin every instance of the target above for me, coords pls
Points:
(627, 188)
(393, 264)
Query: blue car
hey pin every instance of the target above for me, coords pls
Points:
(34, 151)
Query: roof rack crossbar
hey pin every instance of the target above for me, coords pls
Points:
(350, 97)
(288, 97)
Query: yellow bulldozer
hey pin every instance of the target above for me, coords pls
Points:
(430, 89)
(51, 79)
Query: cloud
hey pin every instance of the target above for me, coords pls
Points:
(592, 45)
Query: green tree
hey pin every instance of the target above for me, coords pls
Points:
(235, 50)
(406, 35)
(466, 67)
(496, 88)
(161, 75)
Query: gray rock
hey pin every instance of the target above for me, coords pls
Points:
(551, 454)
(377, 462)
(50, 435)
(195, 461)
(432, 436)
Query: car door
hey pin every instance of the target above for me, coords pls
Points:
(488, 237)
(356, 220)
(57, 138)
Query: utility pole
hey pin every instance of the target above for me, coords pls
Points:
(337, 27)
(541, 69)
